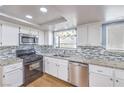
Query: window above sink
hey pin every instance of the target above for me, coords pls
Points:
(65, 39)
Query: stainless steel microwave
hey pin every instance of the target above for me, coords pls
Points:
(27, 39)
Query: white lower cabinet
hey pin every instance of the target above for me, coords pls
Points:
(46, 66)
(63, 71)
(119, 78)
(56, 67)
(98, 80)
(11, 75)
(53, 69)
(13, 78)
(105, 77)
(119, 82)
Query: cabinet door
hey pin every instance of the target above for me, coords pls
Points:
(53, 69)
(25, 30)
(98, 80)
(63, 71)
(34, 32)
(82, 35)
(94, 34)
(119, 82)
(41, 38)
(13, 78)
(119, 78)
(10, 35)
(46, 67)
(0, 34)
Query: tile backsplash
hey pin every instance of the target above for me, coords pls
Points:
(87, 51)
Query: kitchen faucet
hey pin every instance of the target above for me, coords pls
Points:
(63, 52)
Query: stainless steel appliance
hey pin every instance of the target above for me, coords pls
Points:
(78, 74)
(33, 64)
(27, 39)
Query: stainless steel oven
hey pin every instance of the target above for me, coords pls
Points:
(27, 39)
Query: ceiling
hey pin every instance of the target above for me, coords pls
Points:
(69, 15)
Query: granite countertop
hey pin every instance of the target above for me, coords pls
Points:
(10, 61)
(96, 61)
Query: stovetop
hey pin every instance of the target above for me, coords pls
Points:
(30, 58)
(28, 55)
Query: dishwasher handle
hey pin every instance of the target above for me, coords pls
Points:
(78, 64)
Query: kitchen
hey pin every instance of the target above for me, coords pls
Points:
(61, 46)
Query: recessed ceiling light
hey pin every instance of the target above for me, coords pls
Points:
(28, 16)
(43, 9)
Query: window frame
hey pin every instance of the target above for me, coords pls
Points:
(63, 31)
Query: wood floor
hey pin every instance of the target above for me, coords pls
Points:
(49, 81)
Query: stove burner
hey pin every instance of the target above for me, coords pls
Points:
(28, 55)
(31, 58)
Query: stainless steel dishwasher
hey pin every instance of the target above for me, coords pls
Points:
(78, 74)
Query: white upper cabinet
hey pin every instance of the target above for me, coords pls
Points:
(94, 34)
(25, 30)
(89, 34)
(30, 31)
(41, 38)
(10, 35)
(34, 32)
(82, 35)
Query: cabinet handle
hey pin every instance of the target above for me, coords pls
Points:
(99, 71)
(117, 80)
(3, 76)
(111, 79)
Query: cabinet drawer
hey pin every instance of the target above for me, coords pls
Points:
(55, 60)
(101, 70)
(12, 67)
(119, 73)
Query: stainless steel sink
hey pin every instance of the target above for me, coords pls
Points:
(61, 55)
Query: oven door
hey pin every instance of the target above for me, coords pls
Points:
(33, 71)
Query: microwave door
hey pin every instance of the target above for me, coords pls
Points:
(25, 40)
(32, 40)
(28, 39)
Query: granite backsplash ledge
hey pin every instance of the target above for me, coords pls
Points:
(7, 51)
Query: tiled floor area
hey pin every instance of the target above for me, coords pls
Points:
(49, 81)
